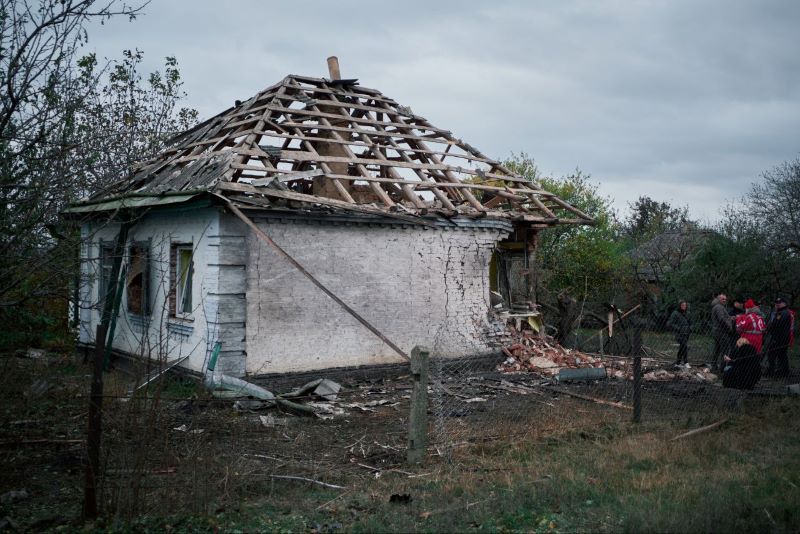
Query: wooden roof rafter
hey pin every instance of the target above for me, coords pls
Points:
(302, 133)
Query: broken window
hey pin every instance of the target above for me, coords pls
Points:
(507, 272)
(182, 269)
(138, 279)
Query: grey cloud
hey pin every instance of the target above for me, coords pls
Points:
(691, 99)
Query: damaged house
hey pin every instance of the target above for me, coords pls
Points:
(318, 224)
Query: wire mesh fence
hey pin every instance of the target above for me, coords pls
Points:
(693, 366)
(172, 447)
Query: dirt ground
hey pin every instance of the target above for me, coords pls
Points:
(172, 449)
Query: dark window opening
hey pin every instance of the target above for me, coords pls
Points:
(105, 289)
(138, 280)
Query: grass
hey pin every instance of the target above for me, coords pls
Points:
(590, 470)
(743, 477)
(701, 345)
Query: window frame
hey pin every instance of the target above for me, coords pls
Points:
(182, 277)
(105, 254)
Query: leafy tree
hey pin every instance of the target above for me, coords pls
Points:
(752, 251)
(126, 118)
(578, 260)
(649, 218)
(67, 128)
(774, 202)
(741, 259)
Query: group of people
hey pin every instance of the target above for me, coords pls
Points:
(743, 335)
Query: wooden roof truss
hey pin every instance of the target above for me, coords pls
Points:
(334, 143)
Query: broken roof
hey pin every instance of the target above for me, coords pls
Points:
(318, 142)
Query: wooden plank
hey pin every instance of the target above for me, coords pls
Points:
(319, 114)
(358, 131)
(340, 189)
(701, 429)
(358, 90)
(288, 176)
(571, 208)
(316, 97)
(426, 184)
(436, 191)
(408, 192)
(301, 155)
(361, 169)
(307, 126)
(323, 201)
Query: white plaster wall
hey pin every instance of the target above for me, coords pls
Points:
(159, 336)
(417, 286)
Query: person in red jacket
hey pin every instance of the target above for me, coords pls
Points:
(750, 325)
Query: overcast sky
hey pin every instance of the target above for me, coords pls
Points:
(684, 101)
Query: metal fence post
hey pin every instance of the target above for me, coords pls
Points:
(418, 417)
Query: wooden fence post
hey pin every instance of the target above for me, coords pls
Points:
(636, 349)
(95, 428)
(418, 418)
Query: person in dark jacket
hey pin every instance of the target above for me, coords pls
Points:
(779, 331)
(742, 367)
(722, 330)
(680, 323)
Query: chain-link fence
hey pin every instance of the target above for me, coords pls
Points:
(697, 362)
(565, 366)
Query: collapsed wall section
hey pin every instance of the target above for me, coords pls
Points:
(416, 284)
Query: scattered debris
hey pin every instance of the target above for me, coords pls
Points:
(270, 421)
(700, 430)
(184, 428)
(36, 354)
(691, 375)
(230, 387)
(327, 389)
(14, 496)
(39, 388)
(251, 405)
(527, 351)
(325, 410)
(591, 399)
(304, 479)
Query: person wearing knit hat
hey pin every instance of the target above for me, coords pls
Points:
(750, 325)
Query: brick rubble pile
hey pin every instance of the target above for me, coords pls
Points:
(527, 352)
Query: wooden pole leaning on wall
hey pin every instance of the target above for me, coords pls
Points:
(94, 432)
(268, 240)
(418, 417)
